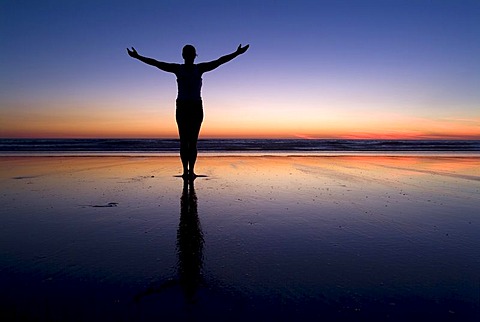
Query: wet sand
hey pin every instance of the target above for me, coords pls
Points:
(257, 238)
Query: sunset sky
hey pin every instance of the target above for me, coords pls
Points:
(315, 69)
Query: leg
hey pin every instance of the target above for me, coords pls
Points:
(189, 116)
(192, 158)
(183, 134)
(194, 131)
(184, 156)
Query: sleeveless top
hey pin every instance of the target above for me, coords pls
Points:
(189, 81)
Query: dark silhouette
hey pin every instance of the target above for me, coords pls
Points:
(189, 112)
(189, 243)
(189, 249)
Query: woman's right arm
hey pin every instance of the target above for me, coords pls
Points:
(167, 67)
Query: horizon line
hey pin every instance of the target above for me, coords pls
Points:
(254, 138)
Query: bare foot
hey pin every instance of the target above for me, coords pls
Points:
(191, 175)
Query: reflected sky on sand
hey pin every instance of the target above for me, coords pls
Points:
(265, 237)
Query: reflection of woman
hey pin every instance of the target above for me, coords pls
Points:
(189, 113)
(189, 248)
(189, 242)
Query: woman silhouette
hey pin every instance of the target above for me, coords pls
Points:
(189, 112)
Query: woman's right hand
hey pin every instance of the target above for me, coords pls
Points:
(132, 53)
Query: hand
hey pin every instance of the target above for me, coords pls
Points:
(133, 53)
(241, 50)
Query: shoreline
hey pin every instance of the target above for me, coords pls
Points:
(473, 154)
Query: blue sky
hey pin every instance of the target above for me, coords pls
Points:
(314, 69)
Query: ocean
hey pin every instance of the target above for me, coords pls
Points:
(296, 146)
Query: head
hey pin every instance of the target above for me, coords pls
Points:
(189, 53)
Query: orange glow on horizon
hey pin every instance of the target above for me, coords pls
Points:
(153, 122)
(237, 135)
(206, 133)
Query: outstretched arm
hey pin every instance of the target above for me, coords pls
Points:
(206, 67)
(167, 67)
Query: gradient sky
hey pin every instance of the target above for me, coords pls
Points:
(315, 69)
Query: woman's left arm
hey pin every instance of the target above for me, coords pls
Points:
(208, 66)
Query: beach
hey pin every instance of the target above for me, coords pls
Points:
(256, 237)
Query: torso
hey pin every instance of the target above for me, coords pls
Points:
(189, 81)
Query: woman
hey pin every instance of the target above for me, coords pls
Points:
(189, 112)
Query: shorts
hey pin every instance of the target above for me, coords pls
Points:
(189, 116)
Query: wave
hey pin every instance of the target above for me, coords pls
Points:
(237, 145)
